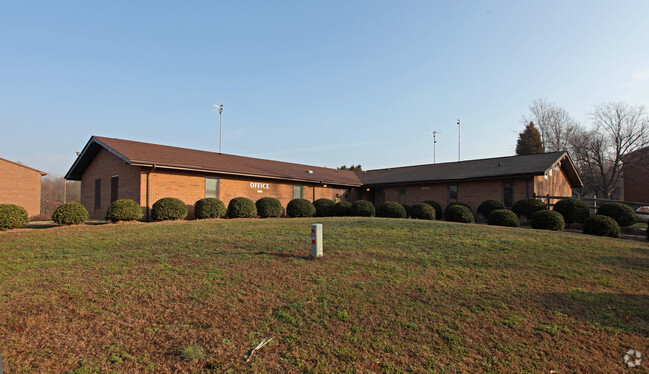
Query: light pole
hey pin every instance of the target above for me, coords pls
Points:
(434, 144)
(219, 108)
(458, 140)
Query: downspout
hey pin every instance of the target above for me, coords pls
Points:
(148, 193)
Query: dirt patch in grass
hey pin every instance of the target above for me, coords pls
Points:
(389, 296)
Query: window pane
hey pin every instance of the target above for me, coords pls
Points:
(114, 188)
(452, 194)
(508, 194)
(402, 196)
(212, 187)
(97, 193)
(297, 192)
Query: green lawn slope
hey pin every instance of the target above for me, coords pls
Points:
(388, 296)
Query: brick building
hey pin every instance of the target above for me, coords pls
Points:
(111, 169)
(635, 173)
(20, 185)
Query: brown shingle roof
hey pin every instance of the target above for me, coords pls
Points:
(163, 156)
(488, 168)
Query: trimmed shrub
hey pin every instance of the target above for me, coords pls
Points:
(527, 207)
(489, 206)
(300, 208)
(124, 210)
(391, 209)
(242, 207)
(503, 217)
(436, 206)
(343, 209)
(422, 211)
(572, 210)
(548, 220)
(621, 213)
(70, 214)
(407, 208)
(269, 207)
(602, 225)
(168, 208)
(12, 216)
(324, 207)
(209, 207)
(363, 208)
(459, 203)
(458, 213)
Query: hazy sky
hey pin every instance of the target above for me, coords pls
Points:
(317, 82)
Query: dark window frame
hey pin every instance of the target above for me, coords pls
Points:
(450, 192)
(510, 203)
(114, 188)
(98, 193)
(401, 191)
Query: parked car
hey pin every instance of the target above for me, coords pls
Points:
(642, 214)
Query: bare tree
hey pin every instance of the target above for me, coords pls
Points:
(52, 193)
(617, 130)
(555, 124)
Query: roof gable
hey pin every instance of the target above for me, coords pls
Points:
(23, 166)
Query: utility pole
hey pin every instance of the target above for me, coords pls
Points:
(219, 108)
(434, 144)
(458, 140)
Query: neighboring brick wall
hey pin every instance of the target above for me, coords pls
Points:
(635, 175)
(104, 167)
(190, 187)
(21, 186)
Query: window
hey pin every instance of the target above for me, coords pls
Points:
(97, 193)
(452, 194)
(402, 196)
(212, 187)
(297, 192)
(114, 188)
(508, 194)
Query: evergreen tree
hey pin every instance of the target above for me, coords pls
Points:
(529, 141)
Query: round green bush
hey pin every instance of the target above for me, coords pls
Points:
(124, 210)
(459, 203)
(300, 208)
(70, 214)
(621, 213)
(342, 209)
(391, 209)
(363, 208)
(503, 217)
(209, 207)
(548, 220)
(422, 211)
(572, 210)
(268, 207)
(168, 208)
(242, 207)
(602, 226)
(489, 206)
(458, 213)
(12, 216)
(527, 207)
(436, 206)
(324, 207)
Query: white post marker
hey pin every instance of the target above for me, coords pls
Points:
(316, 240)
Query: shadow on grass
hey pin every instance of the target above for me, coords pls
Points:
(263, 253)
(620, 312)
(633, 263)
(38, 225)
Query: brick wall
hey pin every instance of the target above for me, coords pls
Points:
(20, 185)
(635, 173)
(472, 192)
(190, 187)
(104, 167)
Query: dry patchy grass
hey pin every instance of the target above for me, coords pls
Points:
(389, 296)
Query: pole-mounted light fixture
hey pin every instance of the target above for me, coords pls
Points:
(219, 108)
(458, 140)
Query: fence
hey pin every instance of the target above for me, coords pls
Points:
(593, 202)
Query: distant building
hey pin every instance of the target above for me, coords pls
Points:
(635, 174)
(20, 185)
(111, 169)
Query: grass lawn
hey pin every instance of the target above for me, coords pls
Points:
(389, 296)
